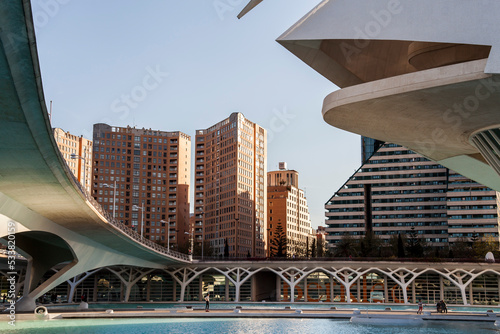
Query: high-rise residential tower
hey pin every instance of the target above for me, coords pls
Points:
(288, 218)
(230, 187)
(77, 151)
(397, 189)
(151, 172)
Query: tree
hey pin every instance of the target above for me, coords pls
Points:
(207, 249)
(484, 245)
(462, 249)
(226, 248)
(320, 247)
(414, 245)
(297, 248)
(369, 245)
(278, 243)
(401, 247)
(313, 249)
(347, 246)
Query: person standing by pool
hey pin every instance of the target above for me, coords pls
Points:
(207, 302)
(420, 307)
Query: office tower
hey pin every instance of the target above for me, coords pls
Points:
(77, 152)
(289, 224)
(151, 172)
(230, 187)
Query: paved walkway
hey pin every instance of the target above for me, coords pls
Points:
(280, 313)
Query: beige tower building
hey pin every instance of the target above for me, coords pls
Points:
(77, 151)
(230, 187)
(151, 172)
(288, 214)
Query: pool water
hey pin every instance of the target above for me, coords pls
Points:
(257, 326)
(268, 305)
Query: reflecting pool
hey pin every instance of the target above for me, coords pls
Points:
(257, 326)
(270, 305)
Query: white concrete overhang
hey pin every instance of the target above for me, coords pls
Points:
(422, 74)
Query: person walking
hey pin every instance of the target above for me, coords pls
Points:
(207, 302)
(444, 309)
(420, 307)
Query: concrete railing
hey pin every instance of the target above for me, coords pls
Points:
(126, 230)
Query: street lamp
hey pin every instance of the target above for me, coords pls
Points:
(168, 232)
(236, 227)
(76, 156)
(135, 207)
(202, 233)
(268, 242)
(114, 195)
(191, 237)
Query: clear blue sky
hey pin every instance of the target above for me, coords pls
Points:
(185, 65)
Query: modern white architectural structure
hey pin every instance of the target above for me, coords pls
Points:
(291, 281)
(422, 74)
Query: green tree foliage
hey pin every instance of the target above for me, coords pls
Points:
(278, 242)
(484, 245)
(320, 248)
(313, 249)
(207, 249)
(226, 248)
(414, 245)
(347, 246)
(370, 245)
(462, 248)
(400, 247)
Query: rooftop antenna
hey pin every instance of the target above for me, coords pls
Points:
(50, 112)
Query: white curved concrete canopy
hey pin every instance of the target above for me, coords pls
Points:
(374, 51)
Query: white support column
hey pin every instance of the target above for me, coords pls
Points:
(386, 289)
(358, 289)
(129, 277)
(278, 288)
(241, 275)
(75, 281)
(441, 288)
(200, 289)
(148, 288)
(406, 277)
(332, 297)
(305, 289)
(471, 294)
(414, 294)
(187, 275)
